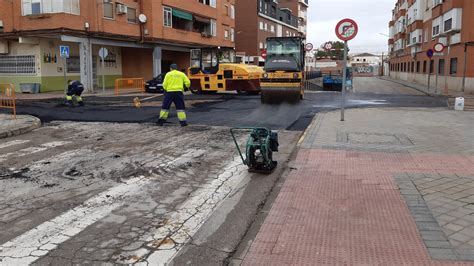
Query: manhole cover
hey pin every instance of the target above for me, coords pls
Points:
(373, 138)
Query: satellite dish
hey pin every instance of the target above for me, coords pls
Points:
(142, 18)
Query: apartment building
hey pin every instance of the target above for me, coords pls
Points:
(260, 19)
(416, 26)
(143, 38)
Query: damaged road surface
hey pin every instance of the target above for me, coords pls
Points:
(94, 193)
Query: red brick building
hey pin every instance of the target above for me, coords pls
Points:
(416, 26)
(143, 37)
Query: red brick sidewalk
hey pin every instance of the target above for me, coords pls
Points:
(344, 207)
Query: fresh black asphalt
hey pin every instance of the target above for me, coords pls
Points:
(221, 109)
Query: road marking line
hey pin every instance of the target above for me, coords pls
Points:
(12, 143)
(182, 224)
(31, 150)
(30, 246)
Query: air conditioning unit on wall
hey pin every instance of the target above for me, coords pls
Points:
(121, 9)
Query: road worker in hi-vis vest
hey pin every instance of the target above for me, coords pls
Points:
(74, 90)
(174, 86)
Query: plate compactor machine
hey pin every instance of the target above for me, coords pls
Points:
(283, 79)
(261, 144)
(215, 69)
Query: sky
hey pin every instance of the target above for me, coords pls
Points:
(372, 16)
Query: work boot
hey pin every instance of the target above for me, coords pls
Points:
(160, 122)
(81, 103)
(68, 103)
(183, 123)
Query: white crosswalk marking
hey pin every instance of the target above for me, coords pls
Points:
(13, 143)
(186, 220)
(31, 150)
(30, 246)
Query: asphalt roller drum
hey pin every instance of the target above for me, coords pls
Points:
(280, 95)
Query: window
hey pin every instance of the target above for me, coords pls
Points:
(424, 66)
(208, 2)
(213, 27)
(431, 66)
(232, 34)
(413, 66)
(448, 25)
(17, 64)
(73, 64)
(418, 66)
(131, 15)
(441, 67)
(261, 25)
(272, 28)
(436, 30)
(108, 10)
(266, 26)
(34, 7)
(261, 45)
(232, 11)
(453, 66)
(167, 17)
(226, 34)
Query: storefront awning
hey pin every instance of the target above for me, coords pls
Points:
(182, 14)
(202, 19)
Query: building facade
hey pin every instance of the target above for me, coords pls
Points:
(416, 26)
(260, 19)
(143, 37)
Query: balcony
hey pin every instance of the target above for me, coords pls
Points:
(391, 23)
(400, 13)
(415, 25)
(305, 2)
(391, 41)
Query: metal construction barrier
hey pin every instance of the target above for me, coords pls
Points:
(7, 97)
(129, 85)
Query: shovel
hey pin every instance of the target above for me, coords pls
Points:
(138, 102)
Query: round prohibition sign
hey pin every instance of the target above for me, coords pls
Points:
(439, 47)
(347, 29)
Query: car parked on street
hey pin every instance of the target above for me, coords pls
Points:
(155, 85)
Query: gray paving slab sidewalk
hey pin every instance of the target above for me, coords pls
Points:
(394, 130)
(10, 126)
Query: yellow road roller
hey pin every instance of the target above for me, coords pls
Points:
(215, 69)
(284, 74)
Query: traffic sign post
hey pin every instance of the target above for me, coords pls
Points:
(263, 53)
(103, 53)
(429, 54)
(346, 30)
(64, 54)
(308, 47)
(328, 46)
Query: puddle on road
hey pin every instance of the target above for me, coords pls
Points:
(354, 103)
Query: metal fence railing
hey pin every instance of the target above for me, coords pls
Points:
(7, 97)
(130, 85)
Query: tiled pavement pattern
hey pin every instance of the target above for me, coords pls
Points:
(14, 127)
(343, 203)
(442, 203)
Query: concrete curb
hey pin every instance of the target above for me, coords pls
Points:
(27, 127)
